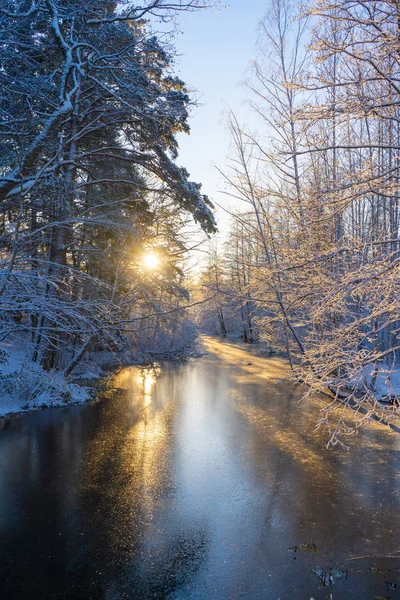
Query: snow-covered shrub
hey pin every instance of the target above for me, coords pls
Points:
(171, 339)
(30, 386)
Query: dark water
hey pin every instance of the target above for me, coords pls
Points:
(194, 483)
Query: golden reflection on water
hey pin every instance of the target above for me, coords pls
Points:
(127, 377)
(142, 451)
(250, 368)
(285, 438)
(251, 365)
(278, 423)
(146, 444)
(147, 378)
(280, 429)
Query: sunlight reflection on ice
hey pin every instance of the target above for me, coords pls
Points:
(147, 377)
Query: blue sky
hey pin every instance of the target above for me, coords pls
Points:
(216, 49)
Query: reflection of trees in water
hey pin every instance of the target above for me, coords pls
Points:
(147, 377)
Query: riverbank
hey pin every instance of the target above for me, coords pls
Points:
(25, 386)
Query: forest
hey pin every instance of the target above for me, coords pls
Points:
(97, 217)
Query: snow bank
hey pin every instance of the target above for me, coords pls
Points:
(26, 386)
(387, 383)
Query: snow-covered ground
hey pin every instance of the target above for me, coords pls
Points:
(26, 386)
(387, 382)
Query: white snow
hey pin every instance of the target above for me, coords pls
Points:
(387, 383)
(26, 386)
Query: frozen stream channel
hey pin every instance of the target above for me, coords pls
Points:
(203, 481)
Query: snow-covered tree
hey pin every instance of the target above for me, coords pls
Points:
(89, 114)
(321, 181)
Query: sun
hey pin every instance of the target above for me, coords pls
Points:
(151, 261)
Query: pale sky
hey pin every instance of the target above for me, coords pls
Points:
(216, 49)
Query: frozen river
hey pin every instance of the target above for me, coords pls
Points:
(199, 481)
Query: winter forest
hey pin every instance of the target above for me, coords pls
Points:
(99, 218)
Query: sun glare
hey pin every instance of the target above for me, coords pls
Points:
(151, 261)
